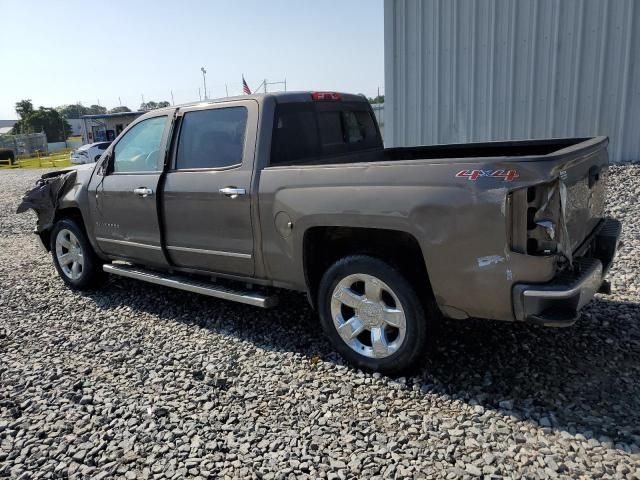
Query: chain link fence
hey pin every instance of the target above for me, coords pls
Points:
(25, 144)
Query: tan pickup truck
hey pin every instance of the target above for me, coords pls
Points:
(296, 191)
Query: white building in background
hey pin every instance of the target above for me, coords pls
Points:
(6, 126)
(105, 127)
(480, 70)
(76, 126)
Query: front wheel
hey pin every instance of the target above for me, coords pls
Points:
(76, 262)
(372, 315)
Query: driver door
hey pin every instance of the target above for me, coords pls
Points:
(123, 195)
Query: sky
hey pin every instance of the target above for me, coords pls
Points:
(57, 52)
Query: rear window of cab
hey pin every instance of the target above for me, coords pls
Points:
(306, 131)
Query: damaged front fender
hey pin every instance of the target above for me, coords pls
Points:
(45, 197)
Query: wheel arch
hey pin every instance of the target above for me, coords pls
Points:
(324, 245)
(70, 212)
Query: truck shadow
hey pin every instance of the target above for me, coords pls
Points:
(583, 380)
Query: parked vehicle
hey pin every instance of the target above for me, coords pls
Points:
(89, 153)
(296, 191)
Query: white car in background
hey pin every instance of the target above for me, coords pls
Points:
(89, 153)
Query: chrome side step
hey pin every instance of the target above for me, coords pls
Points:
(190, 285)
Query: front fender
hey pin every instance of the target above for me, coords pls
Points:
(58, 194)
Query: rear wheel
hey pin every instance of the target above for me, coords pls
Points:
(372, 315)
(76, 262)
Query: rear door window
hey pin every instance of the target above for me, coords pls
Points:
(212, 138)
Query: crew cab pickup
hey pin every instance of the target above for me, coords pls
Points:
(241, 197)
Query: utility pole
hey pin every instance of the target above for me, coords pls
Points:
(172, 102)
(119, 101)
(265, 85)
(226, 89)
(204, 81)
(199, 94)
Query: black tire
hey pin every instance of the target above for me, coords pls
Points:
(411, 350)
(91, 274)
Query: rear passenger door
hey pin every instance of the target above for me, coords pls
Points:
(207, 196)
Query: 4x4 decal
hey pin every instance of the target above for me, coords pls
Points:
(473, 175)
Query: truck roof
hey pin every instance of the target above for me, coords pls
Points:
(280, 97)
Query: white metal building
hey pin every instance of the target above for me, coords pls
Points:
(106, 126)
(479, 70)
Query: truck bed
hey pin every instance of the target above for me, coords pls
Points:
(520, 148)
(512, 151)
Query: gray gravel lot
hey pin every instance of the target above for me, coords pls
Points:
(137, 381)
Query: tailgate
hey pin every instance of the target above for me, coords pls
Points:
(584, 176)
(567, 207)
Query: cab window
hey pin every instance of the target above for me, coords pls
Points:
(139, 149)
(212, 138)
(305, 132)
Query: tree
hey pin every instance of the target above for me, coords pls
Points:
(73, 111)
(377, 99)
(47, 120)
(151, 105)
(119, 109)
(24, 108)
(96, 110)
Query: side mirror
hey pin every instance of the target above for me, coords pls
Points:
(109, 162)
(106, 164)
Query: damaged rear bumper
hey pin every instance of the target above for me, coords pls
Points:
(557, 303)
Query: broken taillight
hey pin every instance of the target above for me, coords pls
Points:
(535, 215)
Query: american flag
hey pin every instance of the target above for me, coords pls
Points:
(245, 88)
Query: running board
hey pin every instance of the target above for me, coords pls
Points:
(190, 285)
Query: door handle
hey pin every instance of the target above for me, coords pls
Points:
(143, 191)
(232, 192)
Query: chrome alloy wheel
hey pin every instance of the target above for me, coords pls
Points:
(69, 254)
(368, 315)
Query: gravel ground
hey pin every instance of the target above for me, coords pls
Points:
(136, 381)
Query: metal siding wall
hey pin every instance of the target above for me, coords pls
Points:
(478, 70)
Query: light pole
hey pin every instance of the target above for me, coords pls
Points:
(204, 81)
